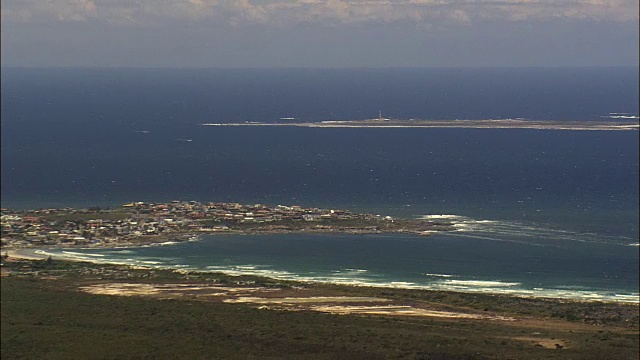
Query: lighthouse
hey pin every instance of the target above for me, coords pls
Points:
(380, 117)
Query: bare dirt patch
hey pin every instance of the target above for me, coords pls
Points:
(171, 290)
(404, 310)
(280, 299)
(545, 342)
(305, 300)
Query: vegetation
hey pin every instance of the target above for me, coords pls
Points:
(44, 315)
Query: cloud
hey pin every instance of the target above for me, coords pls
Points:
(33, 10)
(282, 12)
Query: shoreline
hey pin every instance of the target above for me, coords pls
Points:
(24, 254)
(69, 300)
(179, 221)
(40, 254)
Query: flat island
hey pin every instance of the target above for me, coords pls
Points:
(382, 122)
(139, 223)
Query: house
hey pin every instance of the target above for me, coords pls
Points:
(312, 217)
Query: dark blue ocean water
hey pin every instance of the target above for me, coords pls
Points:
(230, 95)
(546, 201)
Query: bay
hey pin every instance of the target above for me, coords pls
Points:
(540, 212)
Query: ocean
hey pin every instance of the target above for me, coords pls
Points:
(539, 212)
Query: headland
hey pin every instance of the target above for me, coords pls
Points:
(140, 223)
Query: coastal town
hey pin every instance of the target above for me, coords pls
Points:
(138, 223)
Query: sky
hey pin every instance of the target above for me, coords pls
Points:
(317, 33)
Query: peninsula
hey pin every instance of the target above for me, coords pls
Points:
(139, 223)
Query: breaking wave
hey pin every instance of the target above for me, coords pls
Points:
(523, 232)
(482, 283)
(360, 277)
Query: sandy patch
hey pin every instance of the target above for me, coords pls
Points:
(25, 254)
(130, 289)
(304, 300)
(175, 290)
(309, 303)
(402, 310)
(545, 343)
(362, 305)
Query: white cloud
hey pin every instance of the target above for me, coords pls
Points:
(238, 12)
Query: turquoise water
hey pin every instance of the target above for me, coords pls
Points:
(483, 256)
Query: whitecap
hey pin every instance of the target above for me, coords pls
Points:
(521, 232)
(442, 216)
(73, 253)
(439, 275)
(120, 252)
(402, 283)
(481, 283)
(247, 267)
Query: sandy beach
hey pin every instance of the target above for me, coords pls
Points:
(26, 254)
(526, 324)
